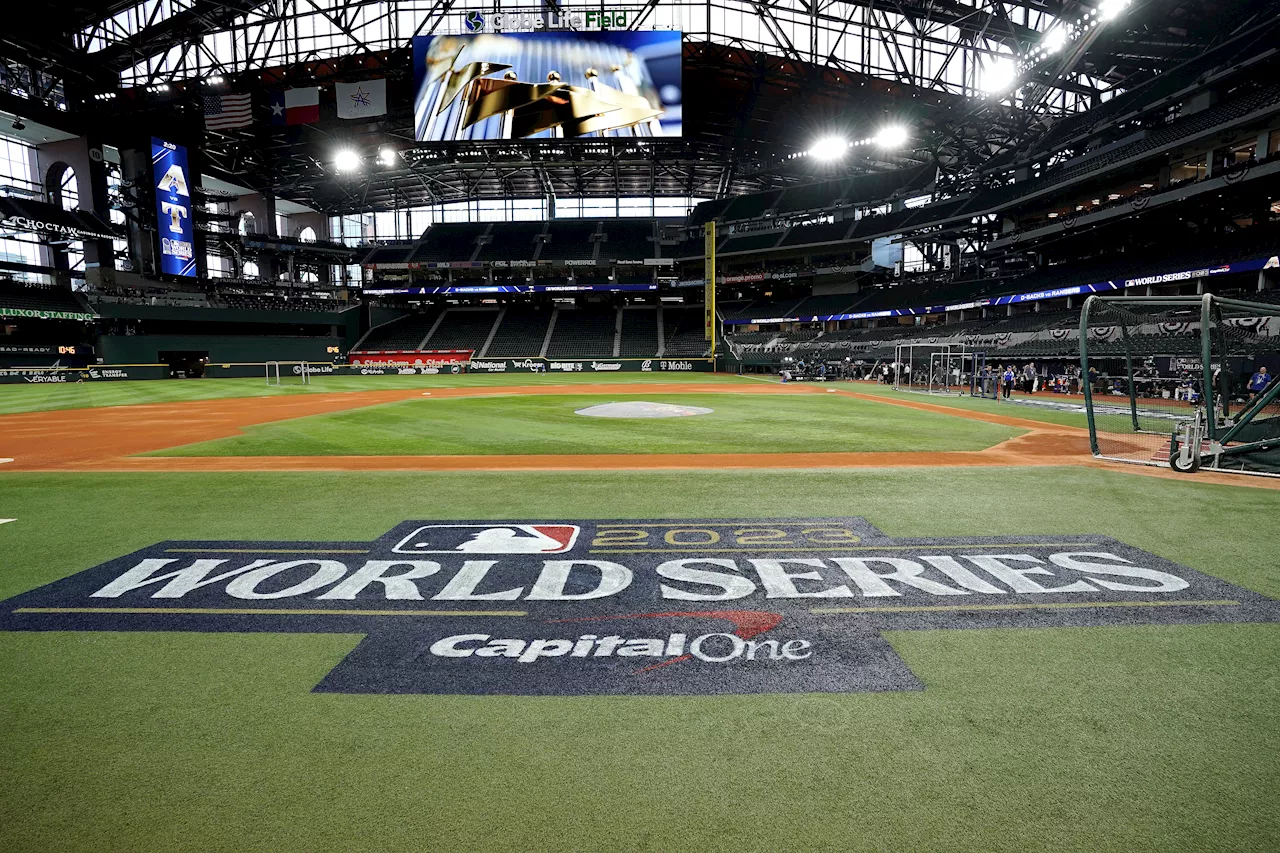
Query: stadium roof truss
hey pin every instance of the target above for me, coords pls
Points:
(934, 49)
(938, 45)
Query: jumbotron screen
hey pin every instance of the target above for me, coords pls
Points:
(547, 85)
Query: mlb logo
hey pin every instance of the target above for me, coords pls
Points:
(489, 539)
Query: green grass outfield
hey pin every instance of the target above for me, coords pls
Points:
(1119, 739)
(1015, 409)
(39, 397)
(738, 423)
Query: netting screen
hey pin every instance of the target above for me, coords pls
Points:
(935, 368)
(1145, 359)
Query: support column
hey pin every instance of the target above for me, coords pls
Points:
(1262, 146)
(135, 166)
(83, 156)
(263, 207)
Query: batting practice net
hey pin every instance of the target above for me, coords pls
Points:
(948, 369)
(1185, 381)
(288, 373)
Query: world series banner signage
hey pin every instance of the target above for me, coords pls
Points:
(173, 208)
(565, 607)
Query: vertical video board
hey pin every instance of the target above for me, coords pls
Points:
(547, 85)
(173, 208)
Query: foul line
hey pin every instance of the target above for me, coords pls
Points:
(264, 551)
(1060, 605)
(224, 611)
(689, 525)
(806, 548)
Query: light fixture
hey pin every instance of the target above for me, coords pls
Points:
(386, 156)
(216, 80)
(1053, 40)
(828, 148)
(19, 124)
(1109, 9)
(346, 160)
(998, 75)
(894, 136)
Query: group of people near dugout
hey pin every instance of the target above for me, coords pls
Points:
(1010, 377)
(1003, 380)
(795, 370)
(1148, 382)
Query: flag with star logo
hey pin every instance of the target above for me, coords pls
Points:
(365, 99)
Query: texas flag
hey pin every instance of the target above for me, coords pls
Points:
(295, 106)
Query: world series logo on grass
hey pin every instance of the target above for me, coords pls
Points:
(660, 607)
(488, 539)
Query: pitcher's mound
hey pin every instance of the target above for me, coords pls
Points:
(638, 409)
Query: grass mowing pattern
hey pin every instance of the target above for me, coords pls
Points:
(1028, 412)
(740, 423)
(72, 395)
(1082, 739)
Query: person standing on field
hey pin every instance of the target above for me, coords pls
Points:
(1258, 382)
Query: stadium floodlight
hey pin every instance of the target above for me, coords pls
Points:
(998, 75)
(893, 136)
(1109, 9)
(1053, 40)
(828, 148)
(346, 160)
(386, 156)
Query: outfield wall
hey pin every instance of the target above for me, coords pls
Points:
(146, 349)
(93, 373)
(257, 369)
(553, 365)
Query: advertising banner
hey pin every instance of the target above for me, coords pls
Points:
(94, 373)
(480, 289)
(1253, 265)
(529, 365)
(587, 365)
(173, 208)
(430, 358)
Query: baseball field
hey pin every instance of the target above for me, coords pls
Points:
(452, 613)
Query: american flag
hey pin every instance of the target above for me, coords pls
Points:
(223, 112)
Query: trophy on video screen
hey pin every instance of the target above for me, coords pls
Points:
(516, 87)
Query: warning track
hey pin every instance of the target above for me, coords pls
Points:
(107, 439)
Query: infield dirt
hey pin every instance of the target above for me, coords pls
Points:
(106, 439)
